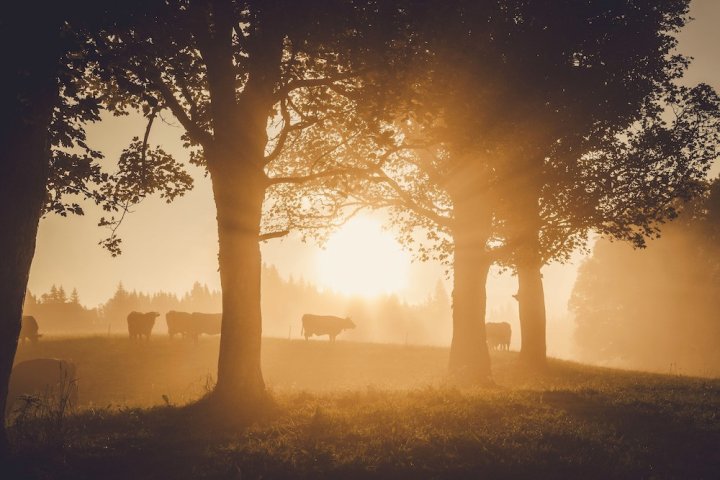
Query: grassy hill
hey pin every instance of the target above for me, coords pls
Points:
(349, 410)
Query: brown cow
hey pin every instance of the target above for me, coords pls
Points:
(179, 323)
(324, 325)
(29, 329)
(207, 323)
(498, 335)
(141, 324)
(49, 379)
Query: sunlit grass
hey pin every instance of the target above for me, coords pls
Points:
(571, 421)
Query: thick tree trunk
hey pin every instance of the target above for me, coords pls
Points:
(22, 194)
(23, 177)
(531, 295)
(239, 194)
(469, 357)
(236, 165)
(531, 298)
(26, 105)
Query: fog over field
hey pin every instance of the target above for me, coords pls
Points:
(360, 239)
(167, 248)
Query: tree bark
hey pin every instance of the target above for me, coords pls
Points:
(23, 176)
(531, 306)
(236, 164)
(469, 357)
(531, 295)
(239, 194)
(26, 105)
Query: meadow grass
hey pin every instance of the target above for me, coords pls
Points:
(372, 411)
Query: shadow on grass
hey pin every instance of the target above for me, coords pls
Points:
(161, 442)
(661, 444)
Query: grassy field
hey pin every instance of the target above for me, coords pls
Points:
(350, 410)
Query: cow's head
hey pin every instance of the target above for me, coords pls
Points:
(348, 323)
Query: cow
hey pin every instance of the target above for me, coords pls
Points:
(179, 323)
(48, 379)
(324, 325)
(29, 329)
(207, 323)
(498, 335)
(141, 324)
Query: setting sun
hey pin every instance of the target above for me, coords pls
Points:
(362, 259)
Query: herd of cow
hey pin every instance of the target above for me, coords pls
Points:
(187, 325)
(57, 379)
(192, 325)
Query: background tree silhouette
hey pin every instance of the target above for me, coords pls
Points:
(630, 305)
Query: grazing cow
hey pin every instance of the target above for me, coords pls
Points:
(179, 322)
(51, 380)
(324, 325)
(29, 329)
(207, 323)
(141, 324)
(498, 335)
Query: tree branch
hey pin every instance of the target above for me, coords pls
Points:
(282, 137)
(311, 82)
(316, 176)
(195, 132)
(151, 119)
(404, 199)
(270, 235)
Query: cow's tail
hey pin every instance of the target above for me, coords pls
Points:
(302, 330)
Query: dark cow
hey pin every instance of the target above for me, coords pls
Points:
(29, 329)
(141, 324)
(51, 380)
(179, 323)
(324, 325)
(207, 323)
(498, 335)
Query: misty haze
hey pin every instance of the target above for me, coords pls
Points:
(353, 239)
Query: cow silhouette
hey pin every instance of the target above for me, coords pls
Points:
(141, 324)
(29, 329)
(324, 325)
(498, 335)
(179, 323)
(50, 380)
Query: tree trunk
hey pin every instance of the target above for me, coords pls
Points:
(469, 357)
(239, 194)
(23, 178)
(531, 295)
(22, 195)
(26, 106)
(531, 305)
(236, 165)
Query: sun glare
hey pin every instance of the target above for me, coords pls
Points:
(362, 259)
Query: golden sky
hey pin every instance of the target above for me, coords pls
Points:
(168, 247)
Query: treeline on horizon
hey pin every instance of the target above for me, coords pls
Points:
(385, 318)
(655, 309)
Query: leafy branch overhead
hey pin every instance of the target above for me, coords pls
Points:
(142, 171)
